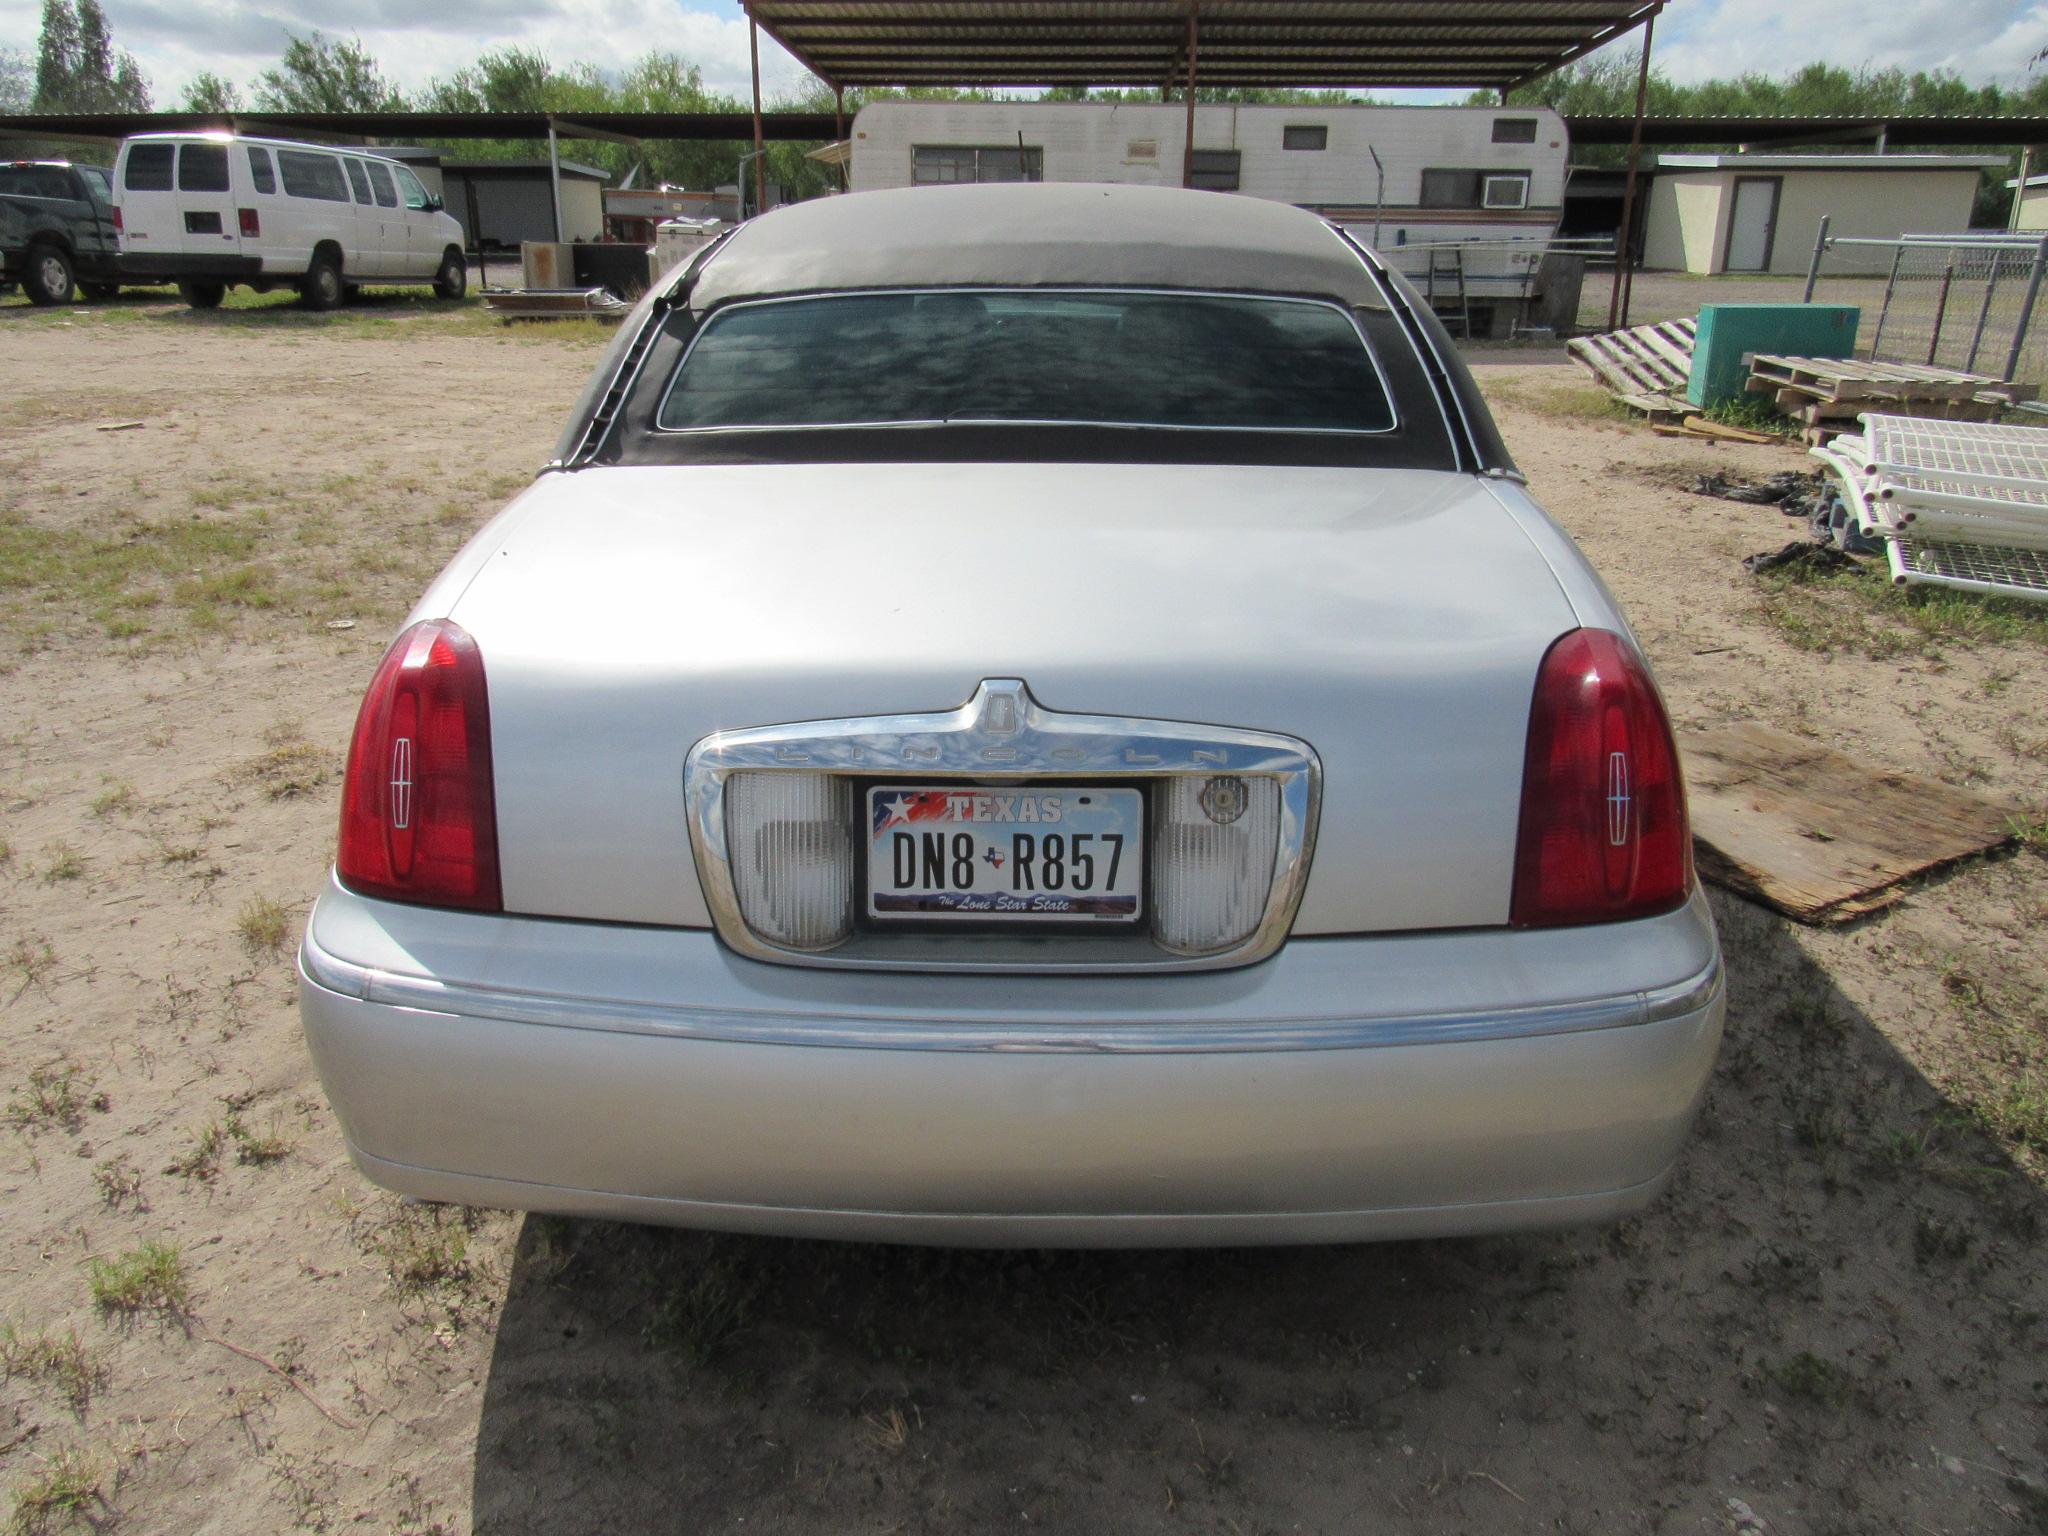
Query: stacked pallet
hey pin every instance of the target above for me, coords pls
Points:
(1826, 395)
(1958, 504)
(1647, 368)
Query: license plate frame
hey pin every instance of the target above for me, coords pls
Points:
(1095, 813)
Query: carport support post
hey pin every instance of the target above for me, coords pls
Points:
(1820, 244)
(2019, 329)
(839, 125)
(1187, 153)
(1624, 275)
(555, 180)
(760, 156)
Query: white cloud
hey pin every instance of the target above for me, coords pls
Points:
(416, 41)
(1982, 40)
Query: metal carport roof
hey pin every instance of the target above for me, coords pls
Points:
(1495, 44)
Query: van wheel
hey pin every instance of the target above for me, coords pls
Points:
(322, 288)
(49, 279)
(452, 281)
(203, 295)
(100, 291)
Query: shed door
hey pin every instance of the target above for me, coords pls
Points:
(1752, 230)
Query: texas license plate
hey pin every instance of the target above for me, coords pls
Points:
(1012, 854)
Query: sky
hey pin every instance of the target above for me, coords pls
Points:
(417, 40)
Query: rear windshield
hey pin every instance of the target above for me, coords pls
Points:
(1180, 360)
(36, 181)
(149, 167)
(203, 168)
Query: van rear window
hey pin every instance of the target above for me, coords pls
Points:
(149, 168)
(203, 168)
(312, 175)
(259, 169)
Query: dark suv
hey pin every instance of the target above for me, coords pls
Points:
(57, 230)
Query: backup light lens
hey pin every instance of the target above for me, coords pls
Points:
(418, 813)
(1211, 877)
(789, 842)
(1604, 834)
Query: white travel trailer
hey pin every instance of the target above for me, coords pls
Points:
(1461, 199)
(210, 210)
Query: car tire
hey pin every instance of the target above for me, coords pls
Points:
(452, 281)
(100, 291)
(49, 279)
(323, 287)
(203, 295)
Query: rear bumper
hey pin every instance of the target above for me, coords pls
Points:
(170, 266)
(1345, 1089)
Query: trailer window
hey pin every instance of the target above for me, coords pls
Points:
(380, 183)
(1214, 170)
(1505, 192)
(308, 175)
(938, 165)
(1450, 189)
(1177, 360)
(149, 168)
(1514, 130)
(1305, 136)
(260, 171)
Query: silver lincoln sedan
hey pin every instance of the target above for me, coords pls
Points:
(1020, 715)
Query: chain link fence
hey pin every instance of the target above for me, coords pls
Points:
(1971, 302)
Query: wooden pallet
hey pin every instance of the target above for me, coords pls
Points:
(1646, 367)
(1842, 380)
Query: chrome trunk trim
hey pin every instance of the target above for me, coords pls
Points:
(1003, 736)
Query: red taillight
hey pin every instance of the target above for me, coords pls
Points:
(418, 818)
(117, 221)
(1604, 832)
(252, 227)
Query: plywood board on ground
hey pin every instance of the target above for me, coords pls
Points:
(1816, 834)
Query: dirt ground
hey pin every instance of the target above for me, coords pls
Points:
(209, 1322)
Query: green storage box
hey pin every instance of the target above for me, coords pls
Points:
(1730, 334)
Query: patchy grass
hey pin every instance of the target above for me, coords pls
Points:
(1752, 413)
(258, 1149)
(61, 862)
(1860, 613)
(119, 1182)
(57, 1094)
(425, 1249)
(263, 926)
(707, 1310)
(1563, 402)
(58, 1361)
(288, 769)
(146, 1279)
(1809, 1378)
(32, 959)
(201, 1160)
(68, 1491)
(117, 799)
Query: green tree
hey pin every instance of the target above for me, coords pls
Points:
(209, 92)
(17, 81)
(77, 66)
(322, 74)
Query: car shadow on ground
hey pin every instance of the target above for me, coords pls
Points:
(1838, 1280)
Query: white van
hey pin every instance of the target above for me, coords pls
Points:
(213, 209)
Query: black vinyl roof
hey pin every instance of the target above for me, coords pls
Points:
(1317, 43)
(1036, 234)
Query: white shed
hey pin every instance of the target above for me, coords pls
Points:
(2032, 212)
(1760, 213)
